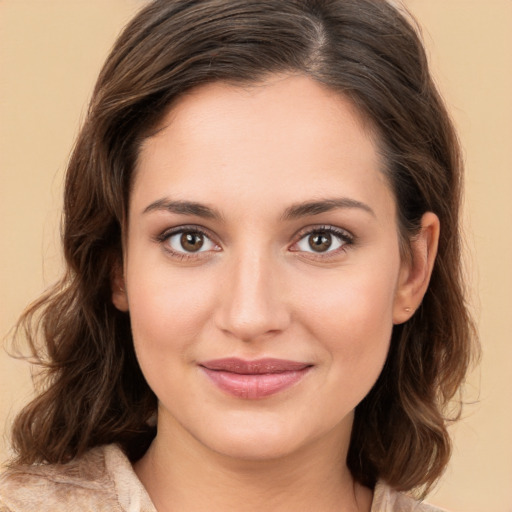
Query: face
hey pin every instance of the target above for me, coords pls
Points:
(262, 266)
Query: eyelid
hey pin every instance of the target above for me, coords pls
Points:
(345, 236)
(188, 228)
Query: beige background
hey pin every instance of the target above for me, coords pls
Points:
(51, 51)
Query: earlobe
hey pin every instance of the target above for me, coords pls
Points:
(415, 273)
(119, 295)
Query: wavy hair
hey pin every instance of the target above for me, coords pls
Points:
(93, 391)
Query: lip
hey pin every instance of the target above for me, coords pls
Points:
(254, 379)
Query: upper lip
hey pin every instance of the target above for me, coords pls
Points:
(255, 366)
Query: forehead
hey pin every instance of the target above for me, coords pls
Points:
(287, 138)
(289, 100)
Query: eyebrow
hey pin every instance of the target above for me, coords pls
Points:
(324, 205)
(292, 212)
(183, 208)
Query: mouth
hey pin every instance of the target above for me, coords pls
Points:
(254, 379)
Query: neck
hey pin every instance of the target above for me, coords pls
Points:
(183, 475)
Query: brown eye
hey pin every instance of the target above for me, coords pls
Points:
(323, 240)
(320, 242)
(192, 242)
(189, 241)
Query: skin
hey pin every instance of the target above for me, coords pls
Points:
(256, 289)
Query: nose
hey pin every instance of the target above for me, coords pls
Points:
(252, 301)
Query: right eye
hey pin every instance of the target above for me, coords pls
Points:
(189, 241)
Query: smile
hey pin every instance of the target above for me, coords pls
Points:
(254, 379)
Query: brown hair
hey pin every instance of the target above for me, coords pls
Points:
(94, 391)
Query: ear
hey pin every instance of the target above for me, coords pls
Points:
(119, 296)
(416, 270)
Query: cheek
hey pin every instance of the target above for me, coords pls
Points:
(168, 307)
(168, 310)
(352, 316)
(352, 298)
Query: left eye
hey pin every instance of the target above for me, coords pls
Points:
(321, 241)
(190, 242)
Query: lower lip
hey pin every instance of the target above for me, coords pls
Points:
(254, 386)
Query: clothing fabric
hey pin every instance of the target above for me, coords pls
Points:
(104, 481)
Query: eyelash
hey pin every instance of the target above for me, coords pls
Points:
(166, 235)
(345, 237)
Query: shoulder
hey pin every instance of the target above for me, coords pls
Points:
(386, 499)
(102, 480)
(83, 483)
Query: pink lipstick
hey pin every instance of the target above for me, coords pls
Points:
(254, 379)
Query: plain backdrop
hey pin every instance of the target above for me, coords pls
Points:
(50, 54)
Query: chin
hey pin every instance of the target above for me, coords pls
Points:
(255, 445)
(262, 437)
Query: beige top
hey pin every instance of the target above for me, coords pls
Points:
(104, 481)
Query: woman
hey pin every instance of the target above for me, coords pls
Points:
(263, 305)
